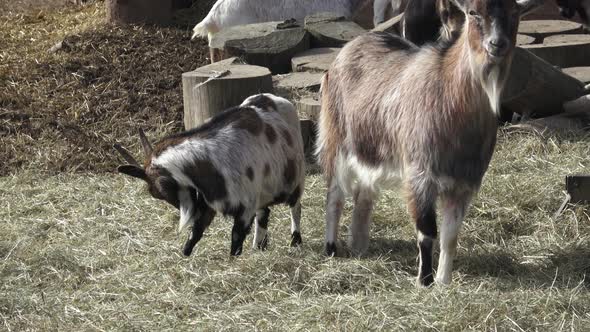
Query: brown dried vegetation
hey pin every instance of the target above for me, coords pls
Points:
(61, 110)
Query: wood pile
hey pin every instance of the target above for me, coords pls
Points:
(300, 52)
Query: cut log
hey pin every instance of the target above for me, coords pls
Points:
(309, 108)
(205, 96)
(578, 187)
(563, 50)
(524, 40)
(270, 44)
(315, 59)
(570, 121)
(292, 86)
(539, 29)
(535, 88)
(300, 81)
(331, 30)
(582, 74)
(157, 12)
(393, 25)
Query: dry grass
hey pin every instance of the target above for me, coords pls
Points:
(96, 252)
(61, 111)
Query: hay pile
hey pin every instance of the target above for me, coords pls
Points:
(61, 111)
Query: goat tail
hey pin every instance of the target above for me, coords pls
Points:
(211, 23)
(201, 30)
(329, 130)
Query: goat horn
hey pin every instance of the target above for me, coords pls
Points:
(125, 154)
(147, 147)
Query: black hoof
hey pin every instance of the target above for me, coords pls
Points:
(236, 251)
(330, 249)
(263, 244)
(187, 251)
(426, 281)
(296, 239)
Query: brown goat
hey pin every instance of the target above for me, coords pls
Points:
(425, 116)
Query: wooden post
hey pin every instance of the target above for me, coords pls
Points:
(157, 12)
(204, 95)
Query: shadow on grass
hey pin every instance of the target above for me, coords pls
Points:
(562, 268)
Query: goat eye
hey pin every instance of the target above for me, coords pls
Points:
(474, 14)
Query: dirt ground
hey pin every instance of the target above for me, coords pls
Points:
(62, 110)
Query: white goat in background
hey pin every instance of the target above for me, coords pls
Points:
(228, 13)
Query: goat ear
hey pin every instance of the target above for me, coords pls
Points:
(528, 6)
(145, 143)
(132, 170)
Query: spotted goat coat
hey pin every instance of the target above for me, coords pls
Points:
(239, 163)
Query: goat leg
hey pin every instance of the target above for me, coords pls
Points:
(197, 230)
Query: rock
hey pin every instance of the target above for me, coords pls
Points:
(582, 74)
(581, 104)
(571, 50)
(392, 25)
(331, 30)
(539, 29)
(262, 44)
(315, 59)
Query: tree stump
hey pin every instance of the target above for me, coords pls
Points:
(539, 29)
(309, 108)
(524, 40)
(269, 44)
(536, 88)
(392, 25)
(315, 59)
(563, 50)
(582, 74)
(293, 85)
(204, 97)
(158, 12)
(331, 30)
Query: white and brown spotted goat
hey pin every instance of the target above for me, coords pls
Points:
(239, 163)
(426, 117)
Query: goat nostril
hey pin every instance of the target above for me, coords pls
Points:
(497, 43)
